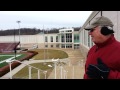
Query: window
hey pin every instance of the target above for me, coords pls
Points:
(68, 45)
(63, 45)
(46, 39)
(69, 37)
(62, 38)
(56, 38)
(76, 46)
(51, 45)
(51, 38)
(57, 45)
(46, 45)
(76, 38)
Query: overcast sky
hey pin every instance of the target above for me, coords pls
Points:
(42, 19)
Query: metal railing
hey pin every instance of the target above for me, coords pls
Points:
(63, 71)
(30, 67)
(58, 64)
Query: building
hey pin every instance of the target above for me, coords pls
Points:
(66, 38)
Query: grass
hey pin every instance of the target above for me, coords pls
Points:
(6, 56)
(49, 54)
(3, 58)
(23, 73)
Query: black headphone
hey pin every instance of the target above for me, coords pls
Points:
(106, 30)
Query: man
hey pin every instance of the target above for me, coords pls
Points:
(103, 59)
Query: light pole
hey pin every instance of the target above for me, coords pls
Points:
(44, 46)
(15, 43)
(47, 47)
(19, 31)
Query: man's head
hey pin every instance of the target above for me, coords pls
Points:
(100, 29)
(100, 21)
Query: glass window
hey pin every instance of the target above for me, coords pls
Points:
(56, 38)
(51, 38)
(46, 39)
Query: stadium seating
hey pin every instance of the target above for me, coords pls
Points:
(8, 46)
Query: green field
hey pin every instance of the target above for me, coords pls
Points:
(4, 57)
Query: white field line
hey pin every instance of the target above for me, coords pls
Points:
(9, 58)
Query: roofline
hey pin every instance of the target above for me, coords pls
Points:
(92, 15)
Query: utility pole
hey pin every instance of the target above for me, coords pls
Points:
(15, 43)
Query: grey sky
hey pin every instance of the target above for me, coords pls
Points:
(42, 19)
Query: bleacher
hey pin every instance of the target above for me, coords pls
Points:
(8, 46)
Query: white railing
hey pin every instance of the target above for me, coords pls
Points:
(30, 67)
(63, 71)
(57, 62)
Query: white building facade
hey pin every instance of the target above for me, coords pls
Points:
(66, 38)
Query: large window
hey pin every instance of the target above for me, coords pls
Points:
(76, 46)
(56, 38)
(63, 45)
(68, 45)
(46, 39)
(76, 38)
(51, 38)
(66, 37)
(69, 37)
(62, 38)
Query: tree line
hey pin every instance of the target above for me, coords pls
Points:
(32, 31)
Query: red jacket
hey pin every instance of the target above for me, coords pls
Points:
(109, 52)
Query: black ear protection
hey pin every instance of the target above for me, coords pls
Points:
(105, 30)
